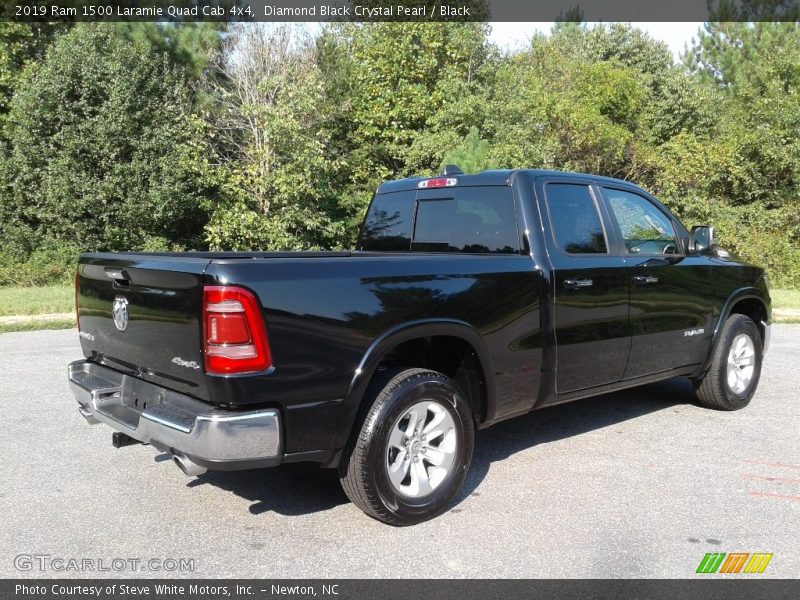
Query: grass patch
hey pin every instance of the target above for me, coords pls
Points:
(17, 300)
(785, 298)
(785, 306)
(37, 325)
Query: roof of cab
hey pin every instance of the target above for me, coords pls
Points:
(487, 178)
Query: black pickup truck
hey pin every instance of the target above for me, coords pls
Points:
(470, 299)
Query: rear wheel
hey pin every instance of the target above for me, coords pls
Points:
(412, 451)
(735, 368)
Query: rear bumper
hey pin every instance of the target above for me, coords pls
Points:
(175, 423)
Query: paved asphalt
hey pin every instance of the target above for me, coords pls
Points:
(635, 484)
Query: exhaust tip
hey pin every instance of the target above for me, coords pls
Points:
(187, 466)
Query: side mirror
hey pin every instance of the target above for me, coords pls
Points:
(702, 238)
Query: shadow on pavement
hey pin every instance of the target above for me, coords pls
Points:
(567, 420)
(291, 489)
(304, 488)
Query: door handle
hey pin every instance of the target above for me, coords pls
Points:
(644, 279)
(574, 284)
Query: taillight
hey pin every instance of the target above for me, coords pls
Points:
(235, 337)
(77, 312)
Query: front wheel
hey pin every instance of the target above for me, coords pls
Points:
(735, 367)
(413, 449)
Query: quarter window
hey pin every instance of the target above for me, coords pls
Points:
(388, 224)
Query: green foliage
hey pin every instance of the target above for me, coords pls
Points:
(570, 102)
(105, 152)
(188, 45)
(276, 193)
(472, 156)
(34, 261)
(746, 173)
(406, 79)
(144, 136)
(20, 43)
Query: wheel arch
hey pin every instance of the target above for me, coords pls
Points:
(747, 301)
(427, 332)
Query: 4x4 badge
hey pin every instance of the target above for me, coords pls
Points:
(120, 313)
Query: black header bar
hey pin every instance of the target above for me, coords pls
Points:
(399, 10)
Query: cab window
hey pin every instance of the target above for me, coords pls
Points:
(644, 227)
(575, 220)
(474, 220)
(387, 226)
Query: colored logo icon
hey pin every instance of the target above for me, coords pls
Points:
(734, 562)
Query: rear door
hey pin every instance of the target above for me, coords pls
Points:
(141, 314)
(590, 287)
(671, 293)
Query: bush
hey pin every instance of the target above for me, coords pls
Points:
(104, 148)
(51, 262)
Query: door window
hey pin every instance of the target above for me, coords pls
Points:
(645, 228)
(575, 221)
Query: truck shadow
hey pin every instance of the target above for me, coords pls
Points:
(291, 489)
(304, 488)
(563, 421)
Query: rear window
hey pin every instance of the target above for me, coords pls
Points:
(474, 219)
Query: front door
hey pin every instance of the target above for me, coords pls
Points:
(590, 290)
(670, 293)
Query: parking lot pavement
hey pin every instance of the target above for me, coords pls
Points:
(635, 484)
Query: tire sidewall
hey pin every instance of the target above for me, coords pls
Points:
(736, 327)
(429, 387)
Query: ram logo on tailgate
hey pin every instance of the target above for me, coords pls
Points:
(120, 313)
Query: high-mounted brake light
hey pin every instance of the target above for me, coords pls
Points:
(438, 182)
(234, 334)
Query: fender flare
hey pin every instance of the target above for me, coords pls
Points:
(397, 335)
(735, 296)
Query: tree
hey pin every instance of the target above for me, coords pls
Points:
(271, 125)
(188, 45)
(409, 80)
(571, 101)
(105, 148)
(724, 52)
(21, 43)
(471, 156)
(755, 191)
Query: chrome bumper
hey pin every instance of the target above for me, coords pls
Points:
(767, 334)
(176, 423)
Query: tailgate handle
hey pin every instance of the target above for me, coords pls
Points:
(120, 276)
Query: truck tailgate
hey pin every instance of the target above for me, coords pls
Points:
(157, 301)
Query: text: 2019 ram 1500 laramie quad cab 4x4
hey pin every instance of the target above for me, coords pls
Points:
(470, 299)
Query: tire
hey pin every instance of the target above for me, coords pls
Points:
(380, 443)
(721, 388)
